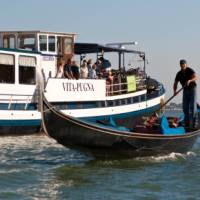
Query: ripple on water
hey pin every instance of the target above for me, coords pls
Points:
(36, 167)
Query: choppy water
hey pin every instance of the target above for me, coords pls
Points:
(35, 167)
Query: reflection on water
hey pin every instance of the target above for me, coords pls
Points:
(36, 167)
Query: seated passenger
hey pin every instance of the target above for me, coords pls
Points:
(84, 70)
(75, 70)
(89, 64)
(92, 72)
(60, 70)
(67, 69)
(98, 67)
(109, 83)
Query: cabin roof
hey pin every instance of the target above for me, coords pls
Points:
(85, 48)
(38, 31)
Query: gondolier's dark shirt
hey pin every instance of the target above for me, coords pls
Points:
(184, 76)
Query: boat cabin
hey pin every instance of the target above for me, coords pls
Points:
(52, 46)
(22, 53)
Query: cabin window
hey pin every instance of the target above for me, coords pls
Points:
(117, 102)
(9, 41)
(143, 97)
(59, 45)
(27, 42)
(43, 42)
(99, 104)
(52, 46)
(129, 100)
(103, 104)
(27, 74)
(135, 99)
(79, 105)
(68, 45)
(110, 103)
(7, 68)
(123, 102)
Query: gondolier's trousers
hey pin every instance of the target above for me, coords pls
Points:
(189, 106)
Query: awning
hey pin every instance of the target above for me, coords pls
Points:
(86, 48)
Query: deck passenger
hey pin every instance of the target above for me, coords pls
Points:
(109, 83)
(92, 72)
(67, 69)
(98, 68)
(60, 70)
(89, 64)
(106, 65)
(84, 70)
(187, 77)
(75, 70)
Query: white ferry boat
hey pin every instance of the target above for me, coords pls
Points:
(29, 60)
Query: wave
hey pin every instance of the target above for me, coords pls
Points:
(170, 157)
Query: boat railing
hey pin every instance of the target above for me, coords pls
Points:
(122, 87)
(13, 99)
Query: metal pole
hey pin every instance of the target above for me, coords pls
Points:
(80, 59)
(123, 62)
(120, 61)
(144, 58)
(145, 77)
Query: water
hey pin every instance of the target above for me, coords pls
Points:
(36, 167)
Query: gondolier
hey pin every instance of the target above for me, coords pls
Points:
(187, 77)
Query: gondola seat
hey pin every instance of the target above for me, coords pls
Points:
(110, 123)
(166, 130)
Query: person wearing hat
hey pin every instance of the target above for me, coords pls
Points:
(187, 77)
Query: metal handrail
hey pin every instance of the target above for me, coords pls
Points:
(12, 101)
(110, 88)
(1, 94)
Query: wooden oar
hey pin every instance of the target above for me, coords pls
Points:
(163, 105)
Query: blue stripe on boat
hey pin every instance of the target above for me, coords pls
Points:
(18, 106)
(31, 122)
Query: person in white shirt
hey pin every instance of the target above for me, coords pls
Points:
(84, 70)
(92, 72)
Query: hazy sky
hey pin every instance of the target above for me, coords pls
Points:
(167, 30)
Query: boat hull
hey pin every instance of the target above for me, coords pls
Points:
(19, 122)
(102, 142)
(19, 126)
(19, 130)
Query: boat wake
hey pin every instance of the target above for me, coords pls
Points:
(170, 157)
(141, 161)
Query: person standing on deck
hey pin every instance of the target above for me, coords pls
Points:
(187, 77)
(84, 70)
(75, 70)
(60, 70)
(67, 69)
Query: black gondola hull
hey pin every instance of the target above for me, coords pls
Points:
(107, 143)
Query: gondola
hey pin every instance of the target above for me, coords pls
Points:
(102, 141)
